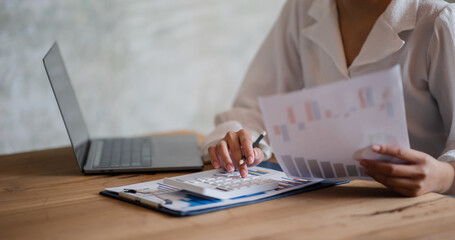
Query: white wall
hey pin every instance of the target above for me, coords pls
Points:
(137, 67)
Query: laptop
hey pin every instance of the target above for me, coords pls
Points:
(139, 154)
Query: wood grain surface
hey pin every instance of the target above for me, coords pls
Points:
(43, 195)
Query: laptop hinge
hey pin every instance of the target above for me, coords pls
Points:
(84, 162)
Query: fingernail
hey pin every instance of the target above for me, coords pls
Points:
(250, 159)
(241, 162)
(244, 172)
(376, 147)
(216, 164)
(230, 168)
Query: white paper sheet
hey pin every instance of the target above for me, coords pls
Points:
(314, 132)
(185, 201)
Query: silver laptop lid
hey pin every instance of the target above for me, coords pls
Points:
(67, 103)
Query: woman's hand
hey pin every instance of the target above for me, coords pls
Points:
(421, 174)
(230, 150)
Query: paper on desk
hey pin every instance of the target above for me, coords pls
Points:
(314, 132)
(185, 201)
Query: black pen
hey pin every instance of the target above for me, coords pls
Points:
(255, 145)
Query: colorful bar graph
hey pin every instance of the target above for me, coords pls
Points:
(276, 130)
(389, 108)
(370, 100)
(328, 114)
(256, 172)
(309, 111)
(316, 111)
(366, 97)
(291, 115)
(285, 132)
(362, 98)
(312, 110)
(291, 182)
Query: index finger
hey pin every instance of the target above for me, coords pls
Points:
(390, 169)
(408, 155)
(247, 146)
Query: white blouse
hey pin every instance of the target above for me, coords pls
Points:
(304, 49)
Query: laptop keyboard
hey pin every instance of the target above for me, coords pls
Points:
(125, 152)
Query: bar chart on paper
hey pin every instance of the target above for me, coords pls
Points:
(313, 168)
(310, 111)
(315, 132)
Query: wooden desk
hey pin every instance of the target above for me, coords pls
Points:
(44, 196)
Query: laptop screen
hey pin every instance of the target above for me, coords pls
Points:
(67, 102)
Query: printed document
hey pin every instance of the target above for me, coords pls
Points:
(316, 132)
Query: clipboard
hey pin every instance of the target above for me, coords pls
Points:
(160, 207)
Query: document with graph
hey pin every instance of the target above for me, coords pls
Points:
(174, 201)
(317, 132)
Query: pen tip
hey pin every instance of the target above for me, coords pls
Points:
(263, 133)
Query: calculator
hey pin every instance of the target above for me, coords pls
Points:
(222, 185)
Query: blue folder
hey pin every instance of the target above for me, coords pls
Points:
(271, 165)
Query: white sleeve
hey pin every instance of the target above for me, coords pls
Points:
(275, 69)
(442, 75)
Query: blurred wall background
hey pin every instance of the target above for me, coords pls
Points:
(138, 67)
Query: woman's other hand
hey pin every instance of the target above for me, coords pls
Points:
(420, 174)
